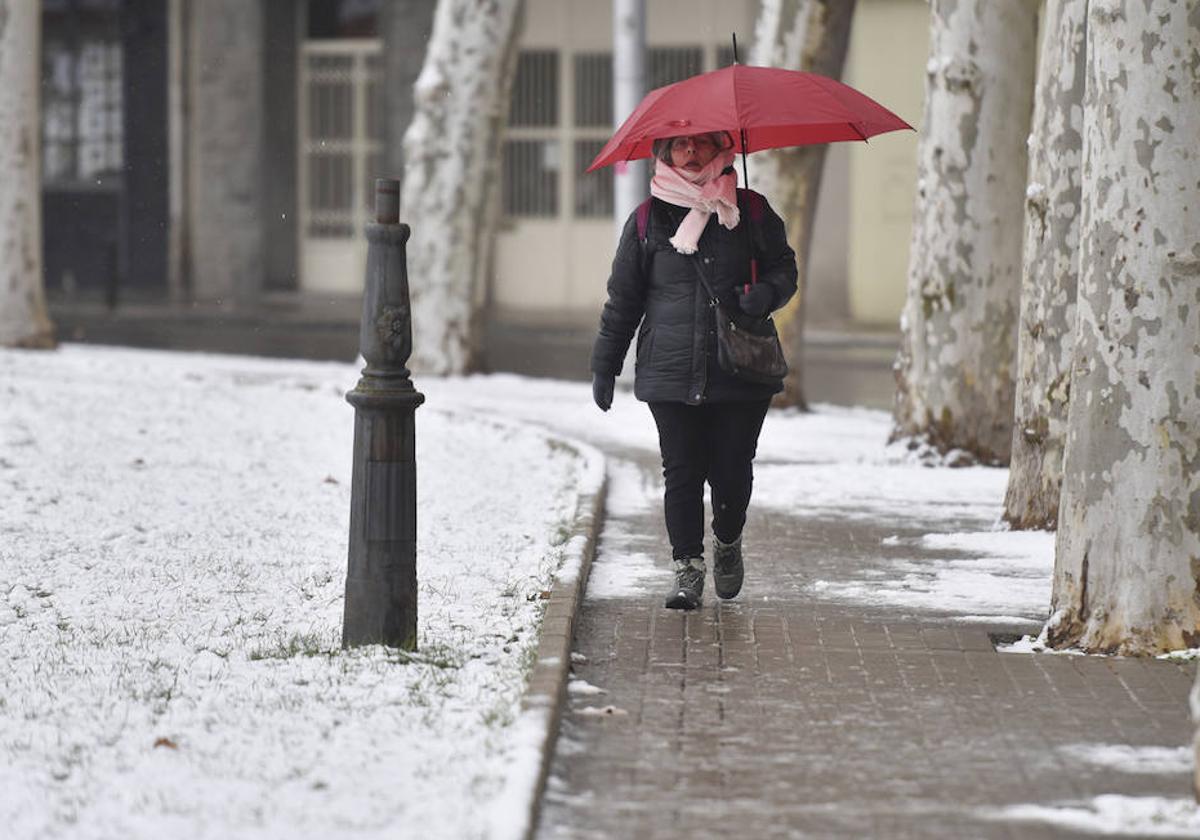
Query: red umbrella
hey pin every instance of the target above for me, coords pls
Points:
(762, 107)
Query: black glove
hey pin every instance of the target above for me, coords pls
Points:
(602, 390)
(758, 301)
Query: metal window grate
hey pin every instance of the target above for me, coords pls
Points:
(593, 90)
(593, 190)
(667, 65)
(531, 170)
(331, 98)
(342, 148)
(535, 89)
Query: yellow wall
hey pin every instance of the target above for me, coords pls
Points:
(888, 51)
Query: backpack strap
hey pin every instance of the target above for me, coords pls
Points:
(755, 204)
(643, 218)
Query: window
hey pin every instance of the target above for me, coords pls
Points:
(535, 90)
(343, 18)
(532, 155)
(531, 178)
(667, 65)
(341, 144)
(548, 147)
(593, 106)
(593, 90)
(82, 101)
(593, 190)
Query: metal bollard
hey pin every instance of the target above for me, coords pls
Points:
(381, 575)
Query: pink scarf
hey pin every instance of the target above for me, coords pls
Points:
(705, 192)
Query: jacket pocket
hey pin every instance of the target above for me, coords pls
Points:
(645, 348)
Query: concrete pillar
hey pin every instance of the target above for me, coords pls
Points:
(226, 150)
(404, 26)
(629, 86)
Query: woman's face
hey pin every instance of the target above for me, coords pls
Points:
(693, 153)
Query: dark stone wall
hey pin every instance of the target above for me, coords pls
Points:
(281, 198)
(111, 237)
(147, 154)
(79, 239)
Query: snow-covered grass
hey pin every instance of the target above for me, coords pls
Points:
(173, 537)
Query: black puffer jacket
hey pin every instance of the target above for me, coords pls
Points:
(654, 285)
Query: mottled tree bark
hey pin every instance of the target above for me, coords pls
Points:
(451, 177)
(1194, 704)
(1127, 564)
(1051, 271)
(23, 318)
(814, 36)
(954, 374)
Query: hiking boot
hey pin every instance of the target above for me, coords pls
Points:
(689, 584)
(727, 567)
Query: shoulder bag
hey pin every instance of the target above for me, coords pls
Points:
(747, 347)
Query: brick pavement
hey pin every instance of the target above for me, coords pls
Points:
(782, 715)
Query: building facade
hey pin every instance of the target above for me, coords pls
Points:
(221, 152)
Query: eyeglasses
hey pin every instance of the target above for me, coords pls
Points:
(699, 142)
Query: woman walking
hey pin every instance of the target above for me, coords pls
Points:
(695, 226)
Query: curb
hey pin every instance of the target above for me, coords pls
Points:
(536, 728)
(546, 693)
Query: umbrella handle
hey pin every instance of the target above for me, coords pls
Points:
(753, 275)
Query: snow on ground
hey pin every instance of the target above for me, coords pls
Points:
(173, 536)
(985, 575)
(1129, 759)
(832, 463)
(1113, 814)
(172, 555)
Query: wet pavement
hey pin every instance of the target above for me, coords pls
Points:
(782, 714)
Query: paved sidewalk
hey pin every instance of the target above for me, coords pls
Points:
(782, 715)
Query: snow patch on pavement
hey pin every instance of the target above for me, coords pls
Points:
(995, 573)
(1113, 814)
(1129, 759)
(1037, 644)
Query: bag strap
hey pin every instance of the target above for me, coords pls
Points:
(712, 296)
(643, 218)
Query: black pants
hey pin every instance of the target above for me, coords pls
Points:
(713, 442)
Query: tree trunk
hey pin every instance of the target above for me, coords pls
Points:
(23, 318)
(814, 36)
(1050, 276)
(1127, 564)
(1194, 704)
(954, 374)
(452, 176)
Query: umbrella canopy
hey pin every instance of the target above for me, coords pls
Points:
(768, 106)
